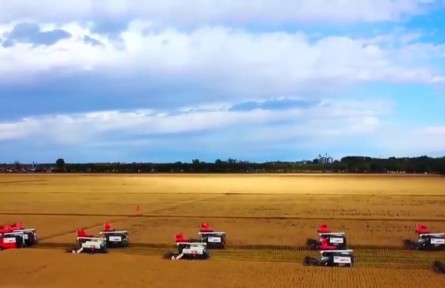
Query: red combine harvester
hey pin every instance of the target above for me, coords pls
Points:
(193, 249)
(328, 240)
(426, 240)
(87, 243)
(213, 239)
(108, 238)
(15, 235)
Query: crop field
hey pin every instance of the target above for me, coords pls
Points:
(267, 218)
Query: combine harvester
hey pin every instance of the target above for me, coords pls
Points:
(87, 243)
(190, 249)
(213, 239)
(15, 235)
(426, 241)
(332, 258)
(108, 238)
(328, 240)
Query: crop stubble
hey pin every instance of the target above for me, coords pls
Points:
(254, 210)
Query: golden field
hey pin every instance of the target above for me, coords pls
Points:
(276, 210)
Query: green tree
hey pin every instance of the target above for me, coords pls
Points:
(60, 164)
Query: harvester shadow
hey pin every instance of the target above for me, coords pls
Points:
(439, 267)
(409, 244)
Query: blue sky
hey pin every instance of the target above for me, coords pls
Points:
(258, 80)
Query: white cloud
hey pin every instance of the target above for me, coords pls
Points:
(233, 61)
(337, 119)
(195, 12)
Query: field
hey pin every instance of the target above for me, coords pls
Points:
(267, 219)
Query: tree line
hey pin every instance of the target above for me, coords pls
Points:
(349, 164)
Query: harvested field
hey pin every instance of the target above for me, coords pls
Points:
(268, 219)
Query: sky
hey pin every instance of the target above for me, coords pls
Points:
(255, 80)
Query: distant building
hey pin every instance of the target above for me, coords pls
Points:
(326, 159)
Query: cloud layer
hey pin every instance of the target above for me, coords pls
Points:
(198, 12)
(251, 78)
(232, 62)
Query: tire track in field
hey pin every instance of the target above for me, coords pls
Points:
(377, 256)
(236, 247)
(21, 181)
(221, 194)
(151, 214)
(123, 217)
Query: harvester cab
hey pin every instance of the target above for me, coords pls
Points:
(332, 258)
(427, 240)
(213, 239)
(191, 250)
(114, 238)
